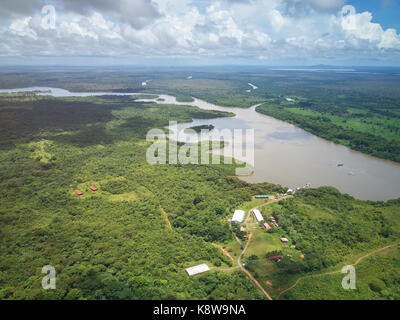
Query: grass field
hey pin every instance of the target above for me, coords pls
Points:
(383, 126)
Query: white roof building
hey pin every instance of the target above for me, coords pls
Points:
(258, 215)
(238, 216)
(197, 269)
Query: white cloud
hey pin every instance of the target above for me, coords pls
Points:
(360, 25)
(299, 7)
(256, 29)
(21, 28)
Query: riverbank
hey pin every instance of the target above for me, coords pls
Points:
(287, 155)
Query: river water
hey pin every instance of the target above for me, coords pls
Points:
(290, 156)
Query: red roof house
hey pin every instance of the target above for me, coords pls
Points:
(284, 240)
(93, 188)
(79, 192)
(275, 257)
(267, 226)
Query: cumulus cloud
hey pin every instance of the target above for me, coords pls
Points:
(259, 29)
(299, 7)
(360, 26)
(15, 8)
(137, 13)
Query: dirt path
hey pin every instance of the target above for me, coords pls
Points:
(166, 217)
(224, 269)
(337, 271)
(247, 272)
(226, 253)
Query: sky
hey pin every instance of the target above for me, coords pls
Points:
(200, 32)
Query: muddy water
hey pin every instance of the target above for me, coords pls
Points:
(287, 155)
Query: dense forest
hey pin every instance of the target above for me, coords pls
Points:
(112, 243)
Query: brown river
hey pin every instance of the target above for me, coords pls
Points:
(287, 155)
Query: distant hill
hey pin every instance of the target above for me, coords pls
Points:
(323, 66)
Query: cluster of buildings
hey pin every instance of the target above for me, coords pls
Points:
(274, 221)
(293, 191)
(79, 192)
(238, 217)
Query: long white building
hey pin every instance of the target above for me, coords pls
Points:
(258, 215)
(238, 216)
(197, 269)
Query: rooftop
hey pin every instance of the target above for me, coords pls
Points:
(197, 269)
(238, 216)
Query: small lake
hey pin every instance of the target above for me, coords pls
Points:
(290, 156)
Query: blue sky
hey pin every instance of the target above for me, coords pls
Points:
(200, 32)
(387, 13)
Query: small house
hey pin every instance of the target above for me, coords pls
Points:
(79, 192)
(284, 240)
(267, 226)
(275, 257)
(93, 188)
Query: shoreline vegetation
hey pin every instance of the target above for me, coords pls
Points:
(323, 127)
